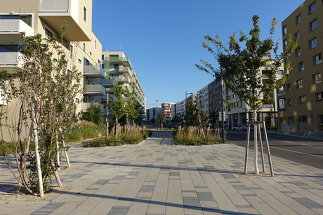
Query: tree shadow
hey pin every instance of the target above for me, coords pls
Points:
(167, 204)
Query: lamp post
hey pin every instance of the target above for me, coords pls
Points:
(222, 109)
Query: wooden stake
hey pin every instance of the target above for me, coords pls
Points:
(261, 148)
(268, 151)
(247, 151)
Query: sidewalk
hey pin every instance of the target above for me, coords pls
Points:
(157, 177)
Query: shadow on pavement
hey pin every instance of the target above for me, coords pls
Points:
(168, 204)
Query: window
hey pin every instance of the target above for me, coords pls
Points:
(77, 100)
(302, 100)
(299, 83)
(71, 52)
(301, 66)
(281, 103)
(317, 78)
(284, 30)
(312, 43)
(317, 59)
(321, 122)
(84, 14)
(312, 8)
(319, 96)
(298, 52)
(86, 62)
(288, 102)
(298, 19)
(302, 119)
(285, 43)
(102, 57)
(116, 66)
(113, 55)
(80, 61)
(48, 34)
(313, 25)
(287, 87)
(297, 36)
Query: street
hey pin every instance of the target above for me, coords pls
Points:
(301, 150)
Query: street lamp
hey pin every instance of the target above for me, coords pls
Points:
(222, 109)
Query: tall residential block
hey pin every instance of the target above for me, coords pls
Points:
(301, 101)
(119, 68)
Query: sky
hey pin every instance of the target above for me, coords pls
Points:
(163, 38)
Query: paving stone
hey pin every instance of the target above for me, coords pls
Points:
(205, 196)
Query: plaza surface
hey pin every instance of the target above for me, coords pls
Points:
(157, 177)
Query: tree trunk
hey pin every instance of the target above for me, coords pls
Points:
(38, 165)
(255, 142)
(65, 152)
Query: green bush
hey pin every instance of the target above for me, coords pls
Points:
(85, 130)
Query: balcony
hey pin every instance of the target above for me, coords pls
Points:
(121, 60)
(94, 90)
(123, 80)
(11, 60)
(11, 29)
(107, 83)
(93, 72)
(56, 12)
(85, 106)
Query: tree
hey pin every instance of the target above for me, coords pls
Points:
(44, 91)
(240, 64)
(117, 105)
(93, 114)
(191, 115)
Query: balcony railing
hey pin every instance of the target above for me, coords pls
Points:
(122, 79)
(54, 5)
(123, 60)
(108, 83)
(93, 71)
(15, 26)
(11, 59)
(94, 90)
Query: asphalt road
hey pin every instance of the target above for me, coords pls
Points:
(297, 149)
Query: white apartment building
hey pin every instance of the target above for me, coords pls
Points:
(202, 100)
(118, 67)
(238, 112)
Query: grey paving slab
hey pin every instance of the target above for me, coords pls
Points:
(158, 177)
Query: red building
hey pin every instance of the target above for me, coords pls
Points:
(166, 108)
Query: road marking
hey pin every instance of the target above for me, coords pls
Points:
(296, 152)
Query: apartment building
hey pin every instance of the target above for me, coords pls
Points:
(118, 67)
(238, 112)
(152, 114)
(166, 108)
(202, 100)
(47, 17)
(215, 98)
(301, 101)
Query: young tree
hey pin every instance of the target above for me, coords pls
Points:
(117, 105)
(44, 91)
(240, 64)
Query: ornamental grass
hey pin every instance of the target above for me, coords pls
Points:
(195, 136)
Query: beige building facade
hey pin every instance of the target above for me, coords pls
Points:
(301, 100)
(47, 17)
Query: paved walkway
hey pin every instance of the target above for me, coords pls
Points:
(157, 177)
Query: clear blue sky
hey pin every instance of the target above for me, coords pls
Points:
(163, 37)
